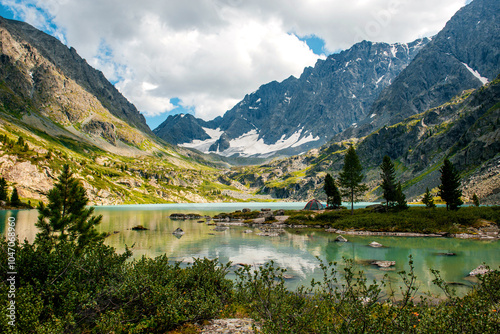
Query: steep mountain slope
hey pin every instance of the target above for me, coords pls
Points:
(299, 113)
(464, 55)
(72, 66)
(465, 130)
(36, 92)
(49, 118)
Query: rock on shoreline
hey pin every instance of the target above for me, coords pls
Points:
(243, 326)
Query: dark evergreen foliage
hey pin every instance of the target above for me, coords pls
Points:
(428, 199)
(475, 200)
(449, 190)
(14, 198)
(66, 217)
(351, 176)
(20, 141)
(3, 190)
(401, 203)
(334, 199)
(388, 185)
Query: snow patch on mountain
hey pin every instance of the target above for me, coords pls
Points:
(249, 144)
(476, 74)
(204, 145)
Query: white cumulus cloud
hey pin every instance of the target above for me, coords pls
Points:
(210, 53)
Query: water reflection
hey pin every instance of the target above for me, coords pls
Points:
(295, 250)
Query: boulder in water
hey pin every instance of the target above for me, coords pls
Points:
(384, 264)
(481, 270)
(178, 231)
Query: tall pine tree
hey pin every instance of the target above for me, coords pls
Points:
(428, 200)
(3, 190)
(475, 200)
(66, 217)
(14, 198)
(449, 190)
(333, 197)
(351, 176)
(401, 203)
(388, 185)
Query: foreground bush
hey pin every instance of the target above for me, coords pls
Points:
(344, 302)
(94, 289)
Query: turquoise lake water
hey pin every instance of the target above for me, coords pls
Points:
(296, 250)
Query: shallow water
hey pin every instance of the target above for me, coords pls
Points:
(296, 250)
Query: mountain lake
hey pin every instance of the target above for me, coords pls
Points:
(296, 250)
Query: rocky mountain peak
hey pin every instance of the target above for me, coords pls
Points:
(297, 114)
(464, 55)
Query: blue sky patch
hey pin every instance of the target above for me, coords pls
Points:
(316, 44)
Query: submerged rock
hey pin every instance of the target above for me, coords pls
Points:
(220, 228)
(139, 228)
(447, 254)
(375, 244)
(340, 239)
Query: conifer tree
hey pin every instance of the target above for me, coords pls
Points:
(66, 217)
(3, 190)
(475, 200)
(20, 141)
(428, 200)
(334, 199)
(351, 176)
(388, 185)
(401, 203)
(449, 190)
(14, 198)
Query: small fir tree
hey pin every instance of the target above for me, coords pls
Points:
(449, 190)
(20, 141)
(333, 197)
(14, 198)
(3, 190)
(388, 185)
(428, 199)
(475, 200)
(401, 203)
(66, 217)
(351, 176)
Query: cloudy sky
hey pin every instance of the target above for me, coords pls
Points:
(203, 56)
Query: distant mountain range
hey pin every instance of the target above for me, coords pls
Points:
(352, 93)
(298, 114)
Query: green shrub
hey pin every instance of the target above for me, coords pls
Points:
(157, 296)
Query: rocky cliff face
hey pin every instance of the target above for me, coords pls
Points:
(35, 92)
(299, 113)
(464, 55)
(72, 66)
